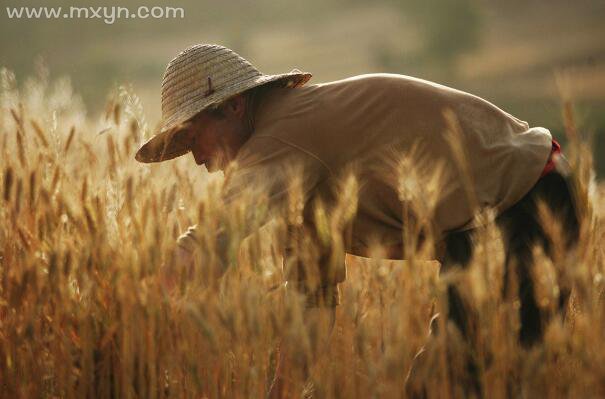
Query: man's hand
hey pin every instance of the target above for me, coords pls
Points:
(184, 256)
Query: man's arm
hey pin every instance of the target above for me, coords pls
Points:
(284, 178)
(270, 178)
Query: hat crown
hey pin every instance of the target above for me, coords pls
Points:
(201, 72)
(198, 77)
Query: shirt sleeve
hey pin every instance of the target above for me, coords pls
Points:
(272, 168)
(288, 177)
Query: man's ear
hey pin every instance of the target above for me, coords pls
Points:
(236, 106)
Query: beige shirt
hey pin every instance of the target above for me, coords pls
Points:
(365, 121)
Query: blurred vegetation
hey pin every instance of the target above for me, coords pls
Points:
(448, 28)
(506, 52)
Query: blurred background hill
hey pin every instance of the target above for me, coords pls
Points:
(525, 56)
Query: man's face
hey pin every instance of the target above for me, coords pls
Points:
(215, 139)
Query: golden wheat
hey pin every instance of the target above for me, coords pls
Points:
(87, 243)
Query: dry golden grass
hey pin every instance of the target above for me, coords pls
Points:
(87, 234)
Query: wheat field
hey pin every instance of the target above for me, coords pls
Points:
(91, 304)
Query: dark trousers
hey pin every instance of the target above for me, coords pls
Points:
(521, 231)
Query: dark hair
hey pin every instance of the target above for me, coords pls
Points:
(254, 95)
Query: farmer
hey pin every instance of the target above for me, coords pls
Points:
(219, 107)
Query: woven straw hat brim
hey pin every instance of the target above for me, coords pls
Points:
(165, 144)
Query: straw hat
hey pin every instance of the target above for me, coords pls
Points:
(200, 76)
